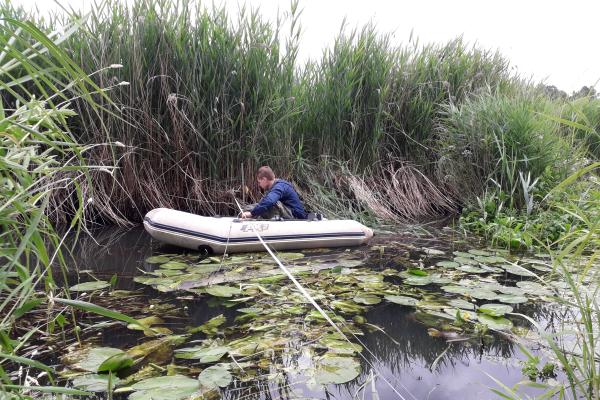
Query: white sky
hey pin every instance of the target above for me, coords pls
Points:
(551, 41)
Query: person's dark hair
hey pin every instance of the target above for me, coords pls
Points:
(265, 172)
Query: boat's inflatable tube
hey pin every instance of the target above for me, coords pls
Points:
(233, 235)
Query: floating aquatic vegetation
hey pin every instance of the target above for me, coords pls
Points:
(96, 382)
(332, 368)
(274, 321)
(99, 359)
(215, 376)
(174, 387)
(89, 286)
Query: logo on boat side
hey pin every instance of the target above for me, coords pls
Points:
(254, 228)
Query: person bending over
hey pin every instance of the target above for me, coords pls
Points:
(280, 199)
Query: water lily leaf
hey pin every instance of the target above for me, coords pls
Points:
(174, 265)
(483, 294)
(402, 300)
(368, 299)
(95, 356)
(173, 387)
(464, 314)
(333, 369)
(487, 268)
(477, 252)
(497, 323)
(439, 279)
(347, 307)
(89, 286)
(456, 289)
(471, 269)
(95, 382)
(215, 376)
(204, 354)
(158, 259)
(116, 362)
(156, 351)
(511, 299)
(430, 305)
(222, 291)
(465, 261)
(510, 290)
(448, 264)
(418, 280)
(534, 288)
(335, 344)
(463, 304)
(517, 270)
(491, 260)
(495, 310)
(210, 327)
(166, 272)
(462, 254)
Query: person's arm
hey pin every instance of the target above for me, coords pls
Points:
(268, 201)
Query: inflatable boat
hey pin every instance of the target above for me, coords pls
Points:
(220, 235)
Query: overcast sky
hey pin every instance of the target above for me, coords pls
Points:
(553, 41)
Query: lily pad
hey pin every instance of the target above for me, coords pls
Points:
(534, 288)
(463, 314)
(472, 269)
(89, 286)
(490, 259)
(402, 300)
(173, 387)
(158, 259)
(464, 260)
(483, 294)
(204, 354)
(478, 252)
(448, 264)
(96, 356)
(367, 299)
(462, 254)
(215, 376)
(511, 298)
(336, 370)
(463, 304)
(174, 265)
(348, 307)
(95, 382)
(497, 323)
(495, 310)
(517, 270)
(211, 326)
(222, 291)
(418, 280)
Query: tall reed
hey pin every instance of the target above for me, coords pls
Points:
(38, 156)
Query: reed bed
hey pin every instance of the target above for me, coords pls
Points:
(211, 97)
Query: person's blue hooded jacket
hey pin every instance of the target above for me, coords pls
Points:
(284, 192)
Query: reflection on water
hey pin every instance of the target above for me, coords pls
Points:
(417, 365)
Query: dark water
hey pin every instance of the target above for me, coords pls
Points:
(403, 356)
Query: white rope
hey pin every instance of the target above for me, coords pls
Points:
(315, 304)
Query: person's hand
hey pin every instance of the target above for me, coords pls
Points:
(245, 214)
